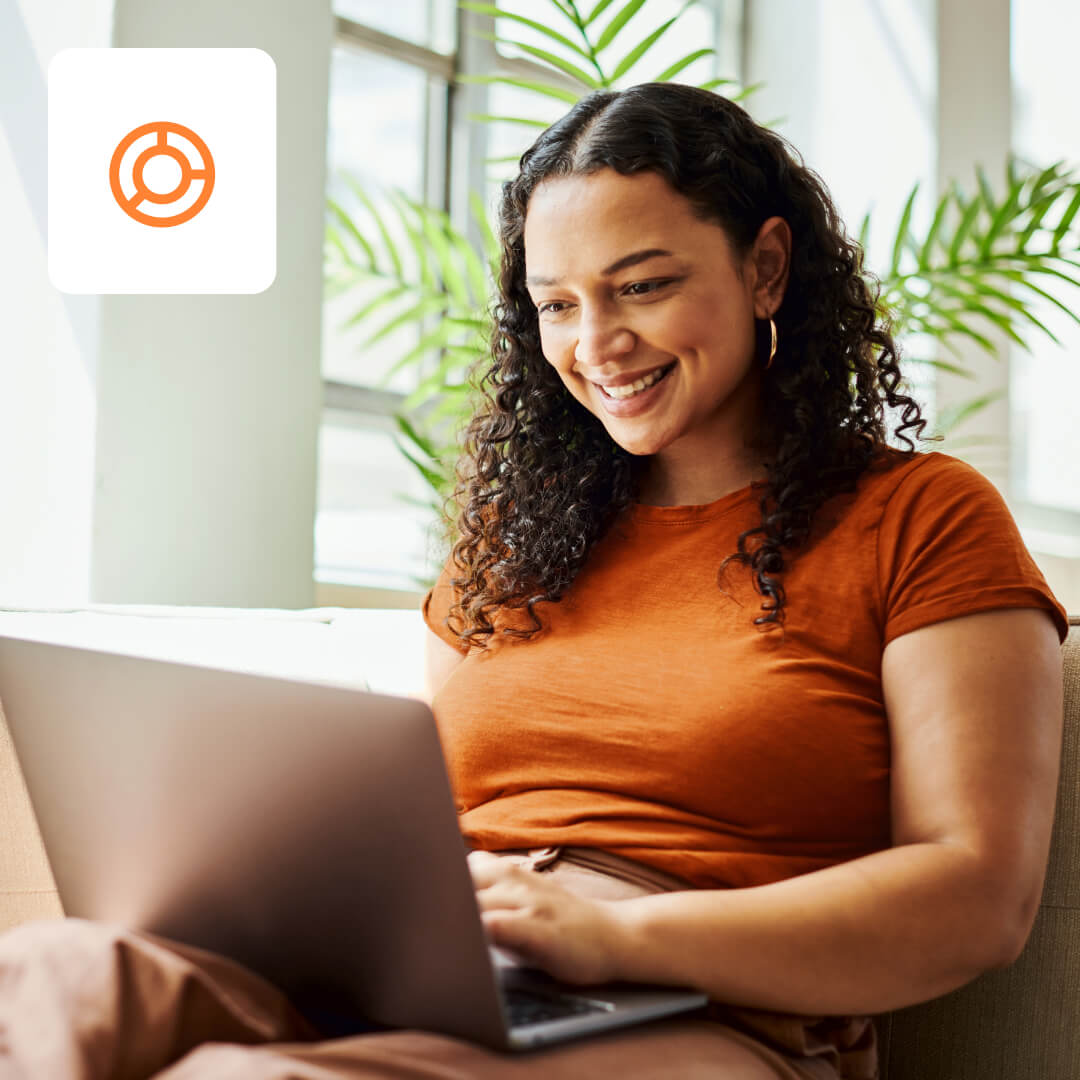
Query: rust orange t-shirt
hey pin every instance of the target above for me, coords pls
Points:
(651, 719)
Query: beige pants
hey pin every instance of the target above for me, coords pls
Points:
(86, 1001)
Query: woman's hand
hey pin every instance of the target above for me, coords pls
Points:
(572, 938)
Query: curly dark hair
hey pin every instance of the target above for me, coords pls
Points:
(540, 480)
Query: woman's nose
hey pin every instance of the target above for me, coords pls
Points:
(600, 339)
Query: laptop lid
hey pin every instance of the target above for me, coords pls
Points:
(304, 830)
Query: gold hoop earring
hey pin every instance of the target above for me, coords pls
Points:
(772, 345)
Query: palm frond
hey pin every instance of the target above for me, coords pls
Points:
(598, 9)
(488, 118)
(903, 235)
(491, 243)
(968, 213)
(557, 92)
(952, 417)
(864, 231)
(641, 48)
(406, 427)
(542, 28)
(441, 237)
(670, 72)
(556, 61)
(434, 479)
(618, 21)
(433, 339)
(1024, 282)
(429, 305)
(388, 241)
(402, 207)
(375, 303)
(742, 94)
(350, 227)
(940, 365)
(926, 253)
(978, 249)
(1066, 221)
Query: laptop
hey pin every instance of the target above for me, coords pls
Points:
(305, 830)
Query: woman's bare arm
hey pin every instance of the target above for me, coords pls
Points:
(975, 714)
(440, 660)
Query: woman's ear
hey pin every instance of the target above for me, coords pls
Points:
(770, 259)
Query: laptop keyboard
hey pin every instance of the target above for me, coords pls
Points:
(533, 1007)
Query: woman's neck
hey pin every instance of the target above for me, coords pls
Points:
(660, 487)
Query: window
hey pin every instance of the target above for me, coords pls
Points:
(429, 23)
(388, 122)
(1046, 383)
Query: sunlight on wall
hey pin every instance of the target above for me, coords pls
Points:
(49, 339)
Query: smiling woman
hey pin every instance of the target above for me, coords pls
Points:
(688, 357)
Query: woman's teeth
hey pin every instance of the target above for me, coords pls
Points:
(630, 389)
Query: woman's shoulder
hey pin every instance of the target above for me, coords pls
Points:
(898, 474)
(908, 492)
(898, 463)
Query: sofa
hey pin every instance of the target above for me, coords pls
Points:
(1016, 1023)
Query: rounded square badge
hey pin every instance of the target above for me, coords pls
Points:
(162, 171)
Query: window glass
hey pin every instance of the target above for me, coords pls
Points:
(423, 22)
(1046, 383)
(365, 531)
(377, 134)
(505, 139)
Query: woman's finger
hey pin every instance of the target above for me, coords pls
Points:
(486, 871)
(506, 894)
(513, 930)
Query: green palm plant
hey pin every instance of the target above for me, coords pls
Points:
(982, 264)
(982, 260)
(447, 280)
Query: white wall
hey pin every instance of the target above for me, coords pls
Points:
(199, 487)
(48, 341)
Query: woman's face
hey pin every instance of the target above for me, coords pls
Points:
(628, 282)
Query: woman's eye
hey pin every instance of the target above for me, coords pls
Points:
(652, 286)
(647, 288)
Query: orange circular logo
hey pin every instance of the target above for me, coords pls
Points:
(160, 147)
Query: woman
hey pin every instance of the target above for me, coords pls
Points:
(832, 809)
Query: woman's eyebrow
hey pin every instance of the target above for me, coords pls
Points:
(620, 264)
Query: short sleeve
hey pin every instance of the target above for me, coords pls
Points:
(948, 545)
(436, 607)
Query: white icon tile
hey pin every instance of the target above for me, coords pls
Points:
(162, 171)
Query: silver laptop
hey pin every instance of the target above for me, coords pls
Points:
(306, 831)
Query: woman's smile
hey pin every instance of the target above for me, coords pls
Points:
(637, 397)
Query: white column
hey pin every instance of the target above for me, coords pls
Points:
(974, 115)
(209, 405)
